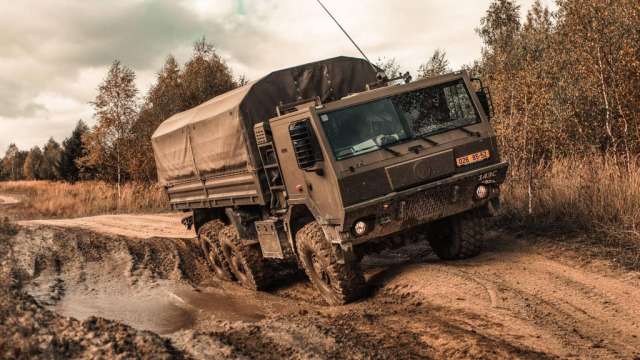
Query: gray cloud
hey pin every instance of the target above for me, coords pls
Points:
(53, 54)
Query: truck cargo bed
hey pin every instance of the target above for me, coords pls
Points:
(241, 188)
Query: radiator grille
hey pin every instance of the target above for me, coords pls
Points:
(429, 204)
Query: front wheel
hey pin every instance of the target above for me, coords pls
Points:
(337, 283)
(458, 237)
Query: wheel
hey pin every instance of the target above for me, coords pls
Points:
(210, 244)
(245, 261)
(337, 283)
(458, 237)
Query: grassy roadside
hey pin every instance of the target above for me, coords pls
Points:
(46, 199)
(587, 201)
(596, 202)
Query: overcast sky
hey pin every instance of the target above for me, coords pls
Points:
(54, 53)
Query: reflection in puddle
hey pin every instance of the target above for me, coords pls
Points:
(163, 306)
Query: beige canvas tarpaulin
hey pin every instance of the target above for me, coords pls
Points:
(216, 137)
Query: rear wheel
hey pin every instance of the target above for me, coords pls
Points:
(338, 283)
(459, 236)
(210, 244)
(245, 261)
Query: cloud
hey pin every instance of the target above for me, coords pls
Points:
(54, 54)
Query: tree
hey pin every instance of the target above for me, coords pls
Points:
(73, 150)
(436, 65)
(115, 111)
(165, 98)
(205, 75)
(32, 164)
(389, 66)
(51, 153)
(13, 163)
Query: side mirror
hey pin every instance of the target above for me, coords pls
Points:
(485, 102)
(484, 96)
(305, 146)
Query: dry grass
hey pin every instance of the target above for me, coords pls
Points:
(56, 199)
(588, 195)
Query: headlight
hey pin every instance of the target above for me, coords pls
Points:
(360, 228)
(482, 192)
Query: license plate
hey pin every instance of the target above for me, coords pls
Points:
(473, 158)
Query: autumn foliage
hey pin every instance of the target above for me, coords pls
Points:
(566, 100)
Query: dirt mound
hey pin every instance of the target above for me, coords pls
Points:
(28, 330)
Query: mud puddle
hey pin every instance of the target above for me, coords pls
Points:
(158, 285)
(513, 301)
(163, 308)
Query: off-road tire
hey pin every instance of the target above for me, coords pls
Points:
(246, 263)
(458, 237)
(210, 243)
(337, 283)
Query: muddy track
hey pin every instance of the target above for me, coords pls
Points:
(514, 301)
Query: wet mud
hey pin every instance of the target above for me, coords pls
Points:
(157, 297)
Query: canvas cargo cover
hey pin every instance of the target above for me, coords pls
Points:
(216, 137)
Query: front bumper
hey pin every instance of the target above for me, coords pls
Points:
(405, 209)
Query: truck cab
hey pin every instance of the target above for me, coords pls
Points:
(386, 160)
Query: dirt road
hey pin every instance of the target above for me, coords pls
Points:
(8, 200)
(520, 299)
(136, 226)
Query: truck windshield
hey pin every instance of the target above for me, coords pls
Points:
(368, 127)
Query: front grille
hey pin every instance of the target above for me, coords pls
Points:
(436, 203)
(428, 204)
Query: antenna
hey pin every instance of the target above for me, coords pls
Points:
(347, 34)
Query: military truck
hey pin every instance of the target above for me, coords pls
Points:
(321, 163)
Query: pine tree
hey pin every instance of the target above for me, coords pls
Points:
(51, 153)
(73, 150)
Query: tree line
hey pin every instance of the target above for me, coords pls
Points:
(563, 82)
(118, 147)
(52, 161)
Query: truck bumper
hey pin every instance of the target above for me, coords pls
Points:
(399, 211)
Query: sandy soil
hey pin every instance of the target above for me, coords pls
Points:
(8, 200)
(516, 300)
(136, 226)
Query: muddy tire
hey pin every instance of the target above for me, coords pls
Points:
(458, 237)
(210, 244)
(245, 261)
(337, 283)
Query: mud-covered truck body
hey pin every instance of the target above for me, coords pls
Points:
(321, 163)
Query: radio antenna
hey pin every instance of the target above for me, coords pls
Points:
(347, 34)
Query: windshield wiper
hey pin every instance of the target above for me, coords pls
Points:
(429, 140)
(469, 132)
(385, 147)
